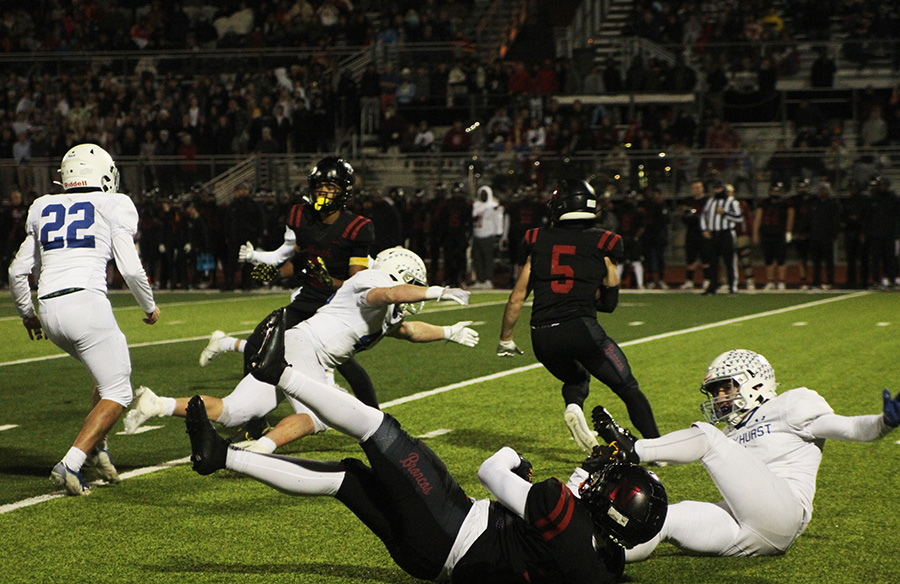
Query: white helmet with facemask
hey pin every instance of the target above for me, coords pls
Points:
(736, 382)
(88, 167)
(404, 267)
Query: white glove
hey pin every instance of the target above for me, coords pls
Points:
(508, 349)
(457, 295)
(461, 333)
(787, 237)
(187, 247)
(245, 253)
(162, 248)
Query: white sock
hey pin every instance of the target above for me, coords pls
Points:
(265, 445)
(340, 410)
(170, 405)
(288, 477)
(229, 343)
(74, 459)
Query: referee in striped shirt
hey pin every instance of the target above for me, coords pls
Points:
(720, 214)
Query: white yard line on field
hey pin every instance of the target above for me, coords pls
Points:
(410, 398)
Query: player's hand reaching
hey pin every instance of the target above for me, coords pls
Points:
(508, 349)
(33, 326)
(891, 409)
(600, 458)
(152, 317)
(265, 273)
(525, 468)
(461, 333)
(245, 253)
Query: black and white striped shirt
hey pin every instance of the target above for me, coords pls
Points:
(720, 214)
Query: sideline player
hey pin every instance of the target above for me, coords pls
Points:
(764, 463)
(327, 244)
(572, 268)
(371, 304)
(432, 530)
(72, 237)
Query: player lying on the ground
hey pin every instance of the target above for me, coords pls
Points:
(407, 497)
(764, 463)
(371, 304)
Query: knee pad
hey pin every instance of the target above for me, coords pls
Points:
(121, 393)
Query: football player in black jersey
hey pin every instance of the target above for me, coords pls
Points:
(571, 268)
(326, 244)
(542, 532)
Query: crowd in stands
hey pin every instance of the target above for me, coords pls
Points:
(166, 117)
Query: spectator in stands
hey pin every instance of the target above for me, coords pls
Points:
(874, 130)
(822, 70)
(456, 139)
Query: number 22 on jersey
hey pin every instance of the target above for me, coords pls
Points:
(63, 226)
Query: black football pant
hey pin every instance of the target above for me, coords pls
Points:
(576, 349)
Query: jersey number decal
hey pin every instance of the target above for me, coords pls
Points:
(565, 283)
(74, 219)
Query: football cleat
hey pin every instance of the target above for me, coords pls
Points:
(70, 480)
(268, 364)
(254, 429)
(613, 433)
(208, 449)
(146, 406)
(102, 465)
(578, 427)
(212, 349)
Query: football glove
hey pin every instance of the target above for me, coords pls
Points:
(265, 273)
(317, 272)
(508, 349)
(601, 457)
(461, 333)
(245, 253)
(525, 468)
(457, 295)
(891, 409)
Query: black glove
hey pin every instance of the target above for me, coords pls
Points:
(265, 273)
(524, 469)
(600, 458)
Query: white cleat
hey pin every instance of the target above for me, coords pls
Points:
(146, 406)
(68, 479)
(584, 437)
(212, 349)
(102, 464)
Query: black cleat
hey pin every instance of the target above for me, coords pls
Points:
(254, 429)
(208, 449)
(268, 363)
(612, 433)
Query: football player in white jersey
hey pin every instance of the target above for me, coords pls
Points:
(764, 462)
(368, 306)
(70, 238)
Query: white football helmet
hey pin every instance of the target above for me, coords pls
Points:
(404, 267)
(747, 379)
(89, 167)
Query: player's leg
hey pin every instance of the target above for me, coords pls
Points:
(769, 515)
(694, 526)
(359, 381)
(555, 354)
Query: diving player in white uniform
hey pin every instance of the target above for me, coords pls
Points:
(764, 463)
(369, 305)
(71, 238)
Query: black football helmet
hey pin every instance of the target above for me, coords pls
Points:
(627, 502)
(573, 199)
(336, 171)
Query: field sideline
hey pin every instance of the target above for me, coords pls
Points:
(211, 529)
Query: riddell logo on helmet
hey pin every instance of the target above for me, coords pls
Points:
(75, 183)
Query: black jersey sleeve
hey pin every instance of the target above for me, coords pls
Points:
(360, 233)
(610, 244)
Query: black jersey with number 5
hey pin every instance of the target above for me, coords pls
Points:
(567, 267)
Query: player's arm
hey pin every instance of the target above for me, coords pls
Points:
(129, 265)
(498, 474)
(757, 220)
(19, 269)
(858, 428)
(356, 265)
(507, 347)
(401, 293)
(789, 230)
(423, 332)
